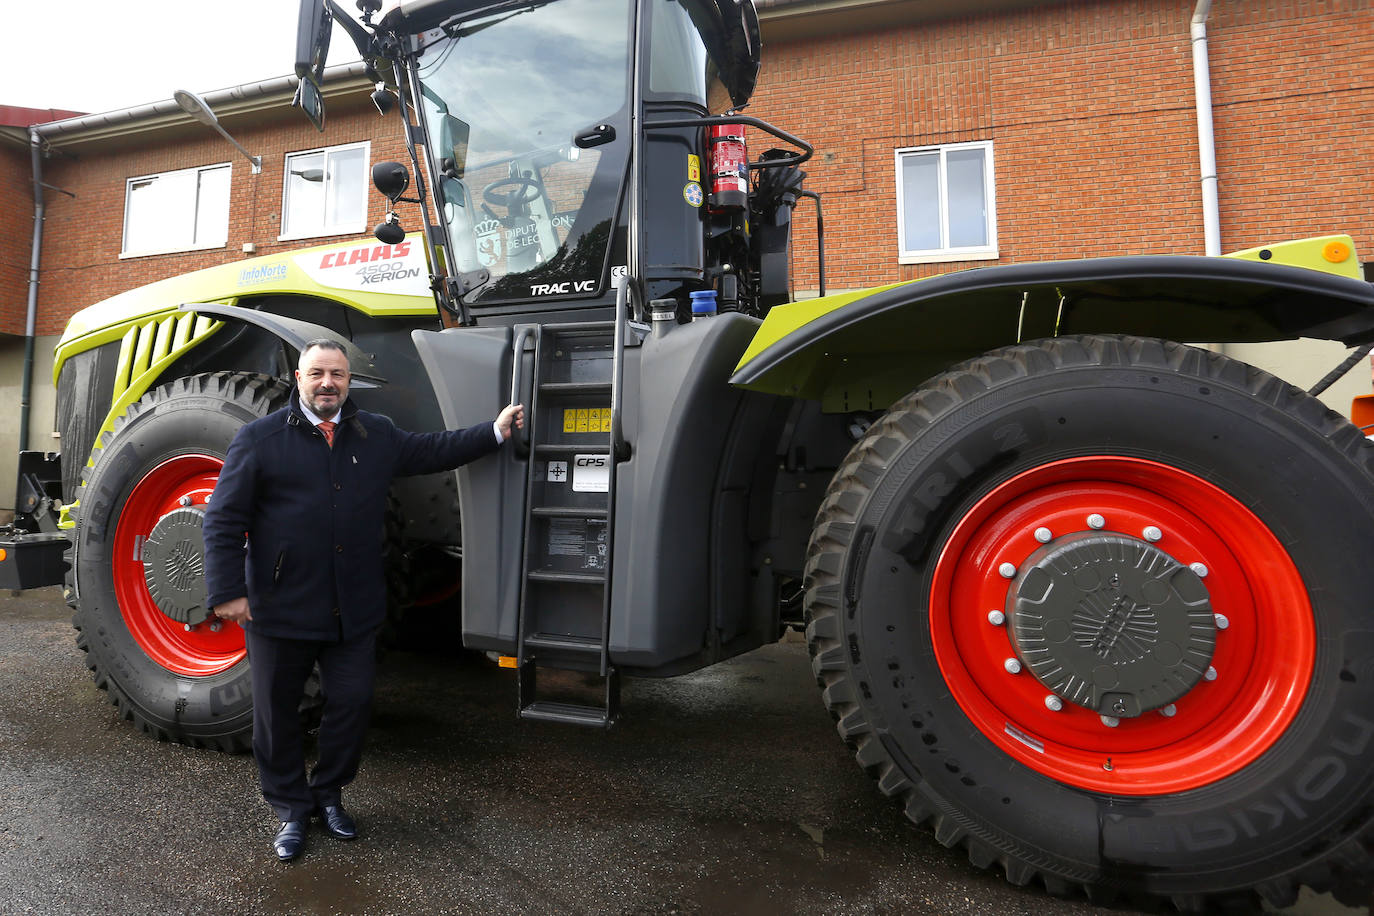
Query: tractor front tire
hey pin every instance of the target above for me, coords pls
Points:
(1096, 609)
(150, 478)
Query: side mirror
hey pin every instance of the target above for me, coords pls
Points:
(391, 179)
(389, 231)
(309, 100)
(313, 27)
(453, 142)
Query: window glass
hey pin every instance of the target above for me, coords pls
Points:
(177, 211)
(921, 193)
(680, 64)
(945, 203)
(212, 206)
(325, 192)
(968, 223)
(524, 200)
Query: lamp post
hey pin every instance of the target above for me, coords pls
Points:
(195, 106)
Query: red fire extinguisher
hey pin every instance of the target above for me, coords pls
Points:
(729, 167)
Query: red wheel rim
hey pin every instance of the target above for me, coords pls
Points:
(1263, 658)
(198, 652)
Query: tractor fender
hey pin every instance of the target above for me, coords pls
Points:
(296, 334)
(862, 350)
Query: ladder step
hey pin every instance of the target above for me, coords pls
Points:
(568, 512)
(588, 644)
(570, 578)
(566, 713)
(549, 449)
(577, 327)
(575, 387)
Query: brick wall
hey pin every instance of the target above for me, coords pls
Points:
(81, 263)
(1090, 107)
(16, 201)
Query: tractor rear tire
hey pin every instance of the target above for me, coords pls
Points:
(179, 683)
(1250, 774)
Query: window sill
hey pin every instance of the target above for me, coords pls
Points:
(948, 257)
(324, 233)
(157, 251)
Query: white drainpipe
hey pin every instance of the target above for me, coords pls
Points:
(1206, 136)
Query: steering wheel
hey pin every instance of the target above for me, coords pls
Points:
(522, 191)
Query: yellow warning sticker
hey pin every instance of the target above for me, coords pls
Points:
(693, 167)
(586, 419)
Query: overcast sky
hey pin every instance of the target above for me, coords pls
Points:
(101, 55)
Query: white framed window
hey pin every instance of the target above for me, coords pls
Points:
(183, 210)
(325, 192)
(946, 206)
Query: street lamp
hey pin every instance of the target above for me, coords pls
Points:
(195, 106)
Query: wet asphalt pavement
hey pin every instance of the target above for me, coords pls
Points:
(725, 791)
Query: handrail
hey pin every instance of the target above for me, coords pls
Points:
(619, 449)
(727, 120)
(517, 357)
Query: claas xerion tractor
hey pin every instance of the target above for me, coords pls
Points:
(1080, 597)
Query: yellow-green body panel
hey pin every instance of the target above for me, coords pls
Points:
(377, 280)
(146, 349)
(784, 319)
(1333, 254)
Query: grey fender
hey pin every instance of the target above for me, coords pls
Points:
(296, 333)
(859, 351)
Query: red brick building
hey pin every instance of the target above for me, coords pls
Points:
(1019, 130)
(1089, 110)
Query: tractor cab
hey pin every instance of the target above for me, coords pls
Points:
(569, 143)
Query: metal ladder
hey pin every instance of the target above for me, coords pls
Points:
(574, 444)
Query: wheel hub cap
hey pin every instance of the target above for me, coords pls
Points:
(1111, 623)
(174, 565)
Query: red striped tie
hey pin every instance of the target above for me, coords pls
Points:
(327, 427)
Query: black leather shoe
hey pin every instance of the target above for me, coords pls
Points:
(290, 840)
(338, 823)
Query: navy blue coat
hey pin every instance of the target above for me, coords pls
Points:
(315, 517)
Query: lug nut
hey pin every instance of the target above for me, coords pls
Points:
(185, 501)
(1222, 622)
(1152, 534)
(1211, 674)
(1096, 521)
(1044, 535)
(1110, 721)
(996, 618)
(1013, 665)
(1053, 703)
(189, 627)
(1199, 569)
(1008, 570)
(1169, 711)
(216, 627)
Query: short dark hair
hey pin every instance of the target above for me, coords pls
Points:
(323, 343)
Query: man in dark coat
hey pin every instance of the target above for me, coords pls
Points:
(308, 484)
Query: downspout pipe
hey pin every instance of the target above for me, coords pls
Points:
(30, 319)
(1206, 136)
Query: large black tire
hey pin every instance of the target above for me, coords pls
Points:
(1189, 800)
(190, 686)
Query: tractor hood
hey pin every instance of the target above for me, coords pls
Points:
(377, 279)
